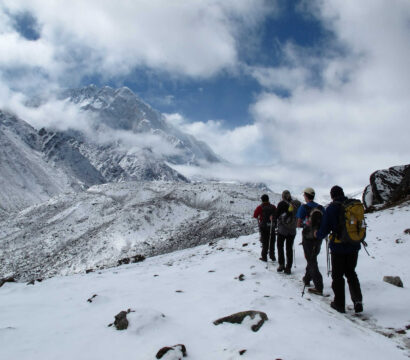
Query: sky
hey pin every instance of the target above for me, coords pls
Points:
(292, 93)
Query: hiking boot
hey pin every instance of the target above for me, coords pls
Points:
(307, 283)
(263, 259)
(337, 308)
(273, 258)
(280, 268)
(358, 307)
(288, 271)
(315, 291)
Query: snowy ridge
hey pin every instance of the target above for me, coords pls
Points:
(26, 177)
(74, 232)
(121, 109)
(174, 299)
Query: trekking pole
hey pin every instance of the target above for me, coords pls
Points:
(294, 255)
(270, 238)
(365, 246)
(327, 256)
(303, 291)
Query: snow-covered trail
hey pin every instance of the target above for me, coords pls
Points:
(176, 297)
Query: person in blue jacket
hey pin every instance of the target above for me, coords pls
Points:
(343, 255)
(311, 246)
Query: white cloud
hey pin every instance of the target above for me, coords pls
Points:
(239, 145)
(355, 121)
(192, 38)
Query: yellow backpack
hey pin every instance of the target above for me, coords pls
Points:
(352, 225)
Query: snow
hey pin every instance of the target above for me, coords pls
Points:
(174, 299)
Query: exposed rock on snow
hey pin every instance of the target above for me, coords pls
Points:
(176, 352)
(387, 186)
(7, 279)
(121, 321)
(394, 280)
(258, 318)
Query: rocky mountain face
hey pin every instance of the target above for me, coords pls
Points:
(387, 186)
(121, 110)
(111, 223)
(26, 177)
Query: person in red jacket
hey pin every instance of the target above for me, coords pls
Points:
(266, 215)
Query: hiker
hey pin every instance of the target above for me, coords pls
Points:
(343, 255)
(266, 215)
(286, 222)
(308, 217)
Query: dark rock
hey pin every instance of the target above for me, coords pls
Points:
(387, 186)
(394, 280)
(7, 279)
(237, 318)
(179, 349)
(132, 259)
(407, 231)
(90, 300)
(241, 277)
(241, 352)
(89, 271)
(31, 282)
(121, 322)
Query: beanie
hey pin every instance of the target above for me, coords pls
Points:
(336, 191)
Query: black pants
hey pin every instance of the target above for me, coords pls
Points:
(311, 249)
(289, 239)
(345, 265)
(268, 242)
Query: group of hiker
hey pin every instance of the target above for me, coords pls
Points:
(343, 220)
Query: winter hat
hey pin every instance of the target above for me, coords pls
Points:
(309, 191)
(286, 195)
(336, 191)
(265, 198)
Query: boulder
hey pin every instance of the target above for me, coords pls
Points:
(387, 186)
(394, 280)
(237, 318)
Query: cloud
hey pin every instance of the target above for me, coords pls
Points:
(189, 38)
(240, 145)
(352, 119)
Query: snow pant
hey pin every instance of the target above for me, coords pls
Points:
(345, 265)
(311, 249)
(288, 239)
(267, 240)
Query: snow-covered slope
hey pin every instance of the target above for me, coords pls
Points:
(74, 232)
(25, 175)
(174, 298)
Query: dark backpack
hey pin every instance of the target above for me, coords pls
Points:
(267, 211)
(288, 219)
(352, 225)
(314, 218)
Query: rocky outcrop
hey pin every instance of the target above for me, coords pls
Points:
(387, 187)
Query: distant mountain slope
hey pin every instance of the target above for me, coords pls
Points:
(26, 177)
(96, 228)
